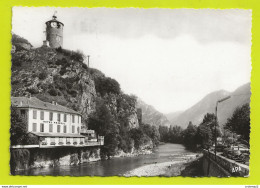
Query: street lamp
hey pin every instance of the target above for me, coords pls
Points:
(216, 113)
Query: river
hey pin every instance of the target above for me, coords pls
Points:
(115, 166)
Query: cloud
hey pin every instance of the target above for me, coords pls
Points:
(169, 74)
(171, 58)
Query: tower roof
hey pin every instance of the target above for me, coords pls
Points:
(54, 19)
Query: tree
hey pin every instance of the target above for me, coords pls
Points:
(105, 85)
(152, 132)
(111, 140)
(240, 122)
(139, 137)
(206, 131)
(163, 130)
(189, 136)
(101, 119)
(204, 136)
(19, 134)
(104, 124)
(175, 134)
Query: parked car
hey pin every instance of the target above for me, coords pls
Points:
(220, 148)
(227, 152)
(238, 156)
(235, 155)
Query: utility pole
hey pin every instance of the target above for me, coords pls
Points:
(88, 66)
(216, 121)
(88, 60)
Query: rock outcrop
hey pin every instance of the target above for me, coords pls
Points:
(151, 116)
(61, 75)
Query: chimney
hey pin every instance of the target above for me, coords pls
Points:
(54, 102)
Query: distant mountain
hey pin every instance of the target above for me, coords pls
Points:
(151, 116)
(238, 97)
(207, 105)
(173, 115)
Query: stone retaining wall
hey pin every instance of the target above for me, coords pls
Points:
(23, 159)
(221, 166)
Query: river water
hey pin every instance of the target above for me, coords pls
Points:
(115, 166)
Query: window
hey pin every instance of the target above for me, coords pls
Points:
(58, 128)
(65, 117)
(73, 118)
(78, 129)
(58, 117)
(34, 114)
(58, 38)
(42, 115)
(52, 140)
(81, 140)
(60, 139)
(23, 113)
(34, 127)
(65, 129)
(50, 128)
(42, 127)
(73, 129)
(51, 116)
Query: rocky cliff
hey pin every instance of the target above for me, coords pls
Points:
(151, 116)
(61, 75)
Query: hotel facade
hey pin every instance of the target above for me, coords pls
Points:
(53, 124)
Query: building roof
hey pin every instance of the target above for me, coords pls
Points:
(33, 102)
(58, 135)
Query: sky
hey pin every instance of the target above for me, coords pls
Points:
(170, 58)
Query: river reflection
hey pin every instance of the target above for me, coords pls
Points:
(114, 166)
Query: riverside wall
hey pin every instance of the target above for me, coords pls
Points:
(24, 159)
(220, 166)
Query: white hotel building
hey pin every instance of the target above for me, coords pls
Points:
(53, 124)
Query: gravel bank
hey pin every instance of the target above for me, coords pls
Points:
(171, 168)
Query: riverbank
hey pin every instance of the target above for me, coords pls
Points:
(178, 167)
(133, 154)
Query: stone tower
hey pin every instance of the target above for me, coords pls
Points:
(54, 32)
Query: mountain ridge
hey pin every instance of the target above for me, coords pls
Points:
(152, 116)
(207, 104)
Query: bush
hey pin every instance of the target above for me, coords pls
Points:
(69, 85)
(62, 61)
(73, 93)
(16, 61)
(78, 56)
(43, 75)
(59, 93)
(84, 66)
(15, 82)
(63, 70)
(53, 92)
(18, 39)
(106, 85)
(33, 90)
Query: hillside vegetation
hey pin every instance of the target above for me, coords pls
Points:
(61, 75)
